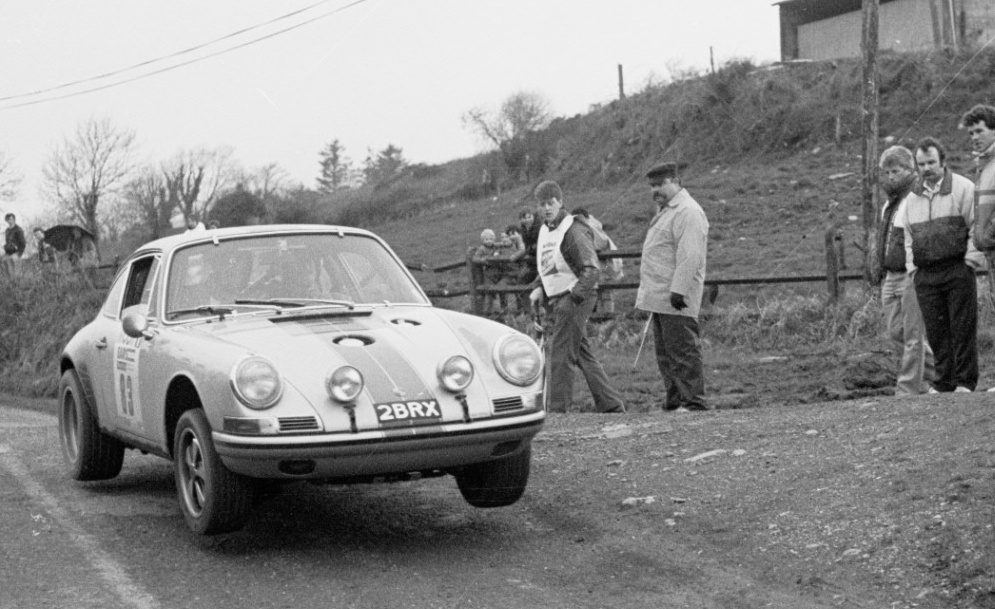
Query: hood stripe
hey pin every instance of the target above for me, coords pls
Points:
(382, 366)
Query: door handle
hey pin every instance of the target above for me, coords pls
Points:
(102, 343)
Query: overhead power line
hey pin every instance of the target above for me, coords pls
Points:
(163, 58)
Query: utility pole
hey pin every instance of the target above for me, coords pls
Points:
(621, 83)
(869, 91)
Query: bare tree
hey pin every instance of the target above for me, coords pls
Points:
(520, 114)
(88, 167)
(10, 179)
(195, 178)
(266, 181)
(148, 202)
(512, 129)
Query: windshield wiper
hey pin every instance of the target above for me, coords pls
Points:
(296, 302)
(220, 311)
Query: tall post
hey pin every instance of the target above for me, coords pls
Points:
(621, 83)
(869, 90)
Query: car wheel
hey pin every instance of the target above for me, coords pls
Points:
(213, 499)
(89, 453)
(495, 483)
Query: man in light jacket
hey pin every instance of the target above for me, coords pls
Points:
(938, 216)
(671, 283)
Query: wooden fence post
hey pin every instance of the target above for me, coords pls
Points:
(832, 264)
(474, 272)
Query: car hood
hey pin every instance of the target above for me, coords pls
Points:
(397, 349)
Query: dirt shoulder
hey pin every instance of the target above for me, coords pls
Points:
(870, 503)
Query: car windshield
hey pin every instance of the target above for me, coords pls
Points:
(279, 271)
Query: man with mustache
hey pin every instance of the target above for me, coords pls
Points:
(671, 282)
(941, 258)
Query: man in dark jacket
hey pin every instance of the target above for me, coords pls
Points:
(568, 282)
(13, 247)
(903, 319)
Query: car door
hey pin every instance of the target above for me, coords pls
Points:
(121, 382)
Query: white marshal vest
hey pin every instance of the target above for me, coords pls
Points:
(557, 277)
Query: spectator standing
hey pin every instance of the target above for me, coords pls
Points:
(488, 257)
(671, 284)
(13, 248)
(530, 225)
(938, 218)
(980, 124)
(903, 320)
(46, 253)
(568, 278)
(611, 269)
(518, 269)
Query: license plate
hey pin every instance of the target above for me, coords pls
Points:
(408, 413)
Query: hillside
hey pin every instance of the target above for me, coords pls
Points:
(772, 154)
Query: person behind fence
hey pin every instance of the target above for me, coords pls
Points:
(46, 253)
(518, 271)
(567, 287)
(671, 283)
(611, 269)
(13, 247)
(489, 257)
(903, 320)
(940, 256)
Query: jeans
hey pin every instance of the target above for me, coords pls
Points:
(569, 347)
(904, 327)
(678, 355)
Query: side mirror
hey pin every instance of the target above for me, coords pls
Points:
(136, 325)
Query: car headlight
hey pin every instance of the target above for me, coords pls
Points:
(518, 359)
(455, 373)
(256, 382)
(344, 384)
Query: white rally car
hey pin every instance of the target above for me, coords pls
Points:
(294, 352)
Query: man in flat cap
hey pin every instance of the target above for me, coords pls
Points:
(568, 285)
(671, 283)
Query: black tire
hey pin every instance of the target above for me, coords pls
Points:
(496, 483)
(89, 453)
(213, 499)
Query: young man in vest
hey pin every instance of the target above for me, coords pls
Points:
(671, 282)
(938, 216)
(903, 320)
(568, 277)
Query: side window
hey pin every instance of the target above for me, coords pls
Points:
(113, 303)
(139, 287)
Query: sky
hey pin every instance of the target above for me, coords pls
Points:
(214, 73)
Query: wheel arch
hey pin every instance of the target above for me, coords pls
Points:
(66, 364)
(181, 396)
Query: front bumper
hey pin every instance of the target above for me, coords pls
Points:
(377, 453)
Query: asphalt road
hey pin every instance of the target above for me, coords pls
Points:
(123, 544)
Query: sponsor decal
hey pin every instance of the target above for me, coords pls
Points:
(126, 382)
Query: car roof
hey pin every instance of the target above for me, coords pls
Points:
(172, 242)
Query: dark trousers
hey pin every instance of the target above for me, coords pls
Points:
(948, 299)
(678, 355)
(569, 347)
